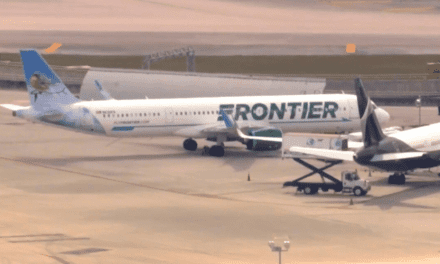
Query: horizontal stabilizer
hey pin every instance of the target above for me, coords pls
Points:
(396, 156)
(13, 107)
(271, 139)
(325, 153)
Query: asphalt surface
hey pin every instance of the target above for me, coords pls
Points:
(73, 198)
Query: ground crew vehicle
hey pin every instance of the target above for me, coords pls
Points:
(349, 183)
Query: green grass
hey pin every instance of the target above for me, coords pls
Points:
(347, 64)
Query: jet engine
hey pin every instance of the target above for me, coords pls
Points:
(261, 145)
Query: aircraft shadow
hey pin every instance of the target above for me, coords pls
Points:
(415, 190)
(336, 198)
(79, 159)
(239, 159)
(398, 199)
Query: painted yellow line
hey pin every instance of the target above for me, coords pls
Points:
(53, 48)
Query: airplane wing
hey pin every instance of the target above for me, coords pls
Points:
(396, 156)
(325, 153)
(236, 130)
(272, 139)
(230, 129)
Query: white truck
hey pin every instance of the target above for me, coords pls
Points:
(349, 183)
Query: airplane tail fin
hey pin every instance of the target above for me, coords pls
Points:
(371, 131)
(46, 90)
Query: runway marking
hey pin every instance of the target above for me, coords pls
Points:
(84, 251)
(39, 235)
(49, 240)
(13, 124)
(41, 238)
(58, 259)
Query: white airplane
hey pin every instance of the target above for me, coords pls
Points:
(257, 121)
(398, 152)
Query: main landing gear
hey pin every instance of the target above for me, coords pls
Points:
(190, 144)
(215, 151)
(397, 178)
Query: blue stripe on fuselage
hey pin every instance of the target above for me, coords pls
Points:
(128, 128)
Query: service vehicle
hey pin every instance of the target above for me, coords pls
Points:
(350, 183)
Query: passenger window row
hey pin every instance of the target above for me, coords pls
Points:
(198, 113)
(131, 115)
(158, 114)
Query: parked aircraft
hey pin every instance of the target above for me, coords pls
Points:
(398, 152)
(257, 121)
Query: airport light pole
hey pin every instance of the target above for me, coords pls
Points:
(280, 248)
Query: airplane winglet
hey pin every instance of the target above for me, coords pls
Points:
(228, 121)
(103, 92)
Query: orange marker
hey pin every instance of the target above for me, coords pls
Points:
(53, 48)
(351, 48)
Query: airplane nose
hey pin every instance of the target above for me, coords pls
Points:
(382, 115)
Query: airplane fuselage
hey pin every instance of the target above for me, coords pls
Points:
(170, 117)
(329, 113)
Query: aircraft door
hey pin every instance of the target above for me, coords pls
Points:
(344, 110)
(343, 115)
(353, 109)
(169, 115)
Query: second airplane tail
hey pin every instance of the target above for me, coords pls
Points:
(46, 90)
(371, 131)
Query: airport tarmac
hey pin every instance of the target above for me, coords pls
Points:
(67, 197)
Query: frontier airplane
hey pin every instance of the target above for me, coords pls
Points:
(257, 121)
